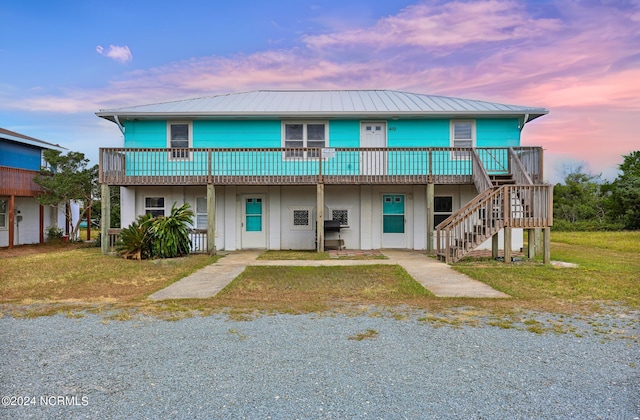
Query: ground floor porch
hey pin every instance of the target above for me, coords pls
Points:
(362, 217)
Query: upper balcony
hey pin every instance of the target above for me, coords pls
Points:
(18, 182)
(309, 166)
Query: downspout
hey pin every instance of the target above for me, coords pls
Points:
(524, 121)
(117, 121)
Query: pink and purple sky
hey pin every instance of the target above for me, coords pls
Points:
(63, 61)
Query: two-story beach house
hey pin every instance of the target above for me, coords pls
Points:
(359, 169)
(22, 219)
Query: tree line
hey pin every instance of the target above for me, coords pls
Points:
(585, 202)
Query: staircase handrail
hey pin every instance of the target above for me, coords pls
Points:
(470, 212)
(464, 208)
(518, 171)
(480, 176)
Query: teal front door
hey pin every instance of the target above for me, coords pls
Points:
(393, 221)
(253, 222)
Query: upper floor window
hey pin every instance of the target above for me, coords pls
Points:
(179, 137)
(463, 134)
(298, 135)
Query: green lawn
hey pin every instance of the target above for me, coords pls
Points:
(77, 279)
(608, 271)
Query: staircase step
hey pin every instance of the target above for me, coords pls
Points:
(504, 179)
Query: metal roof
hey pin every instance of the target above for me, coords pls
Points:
(21, 138)
(322, 103)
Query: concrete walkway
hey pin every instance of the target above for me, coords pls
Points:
(209, 280)
(439, 278)
(435, 276)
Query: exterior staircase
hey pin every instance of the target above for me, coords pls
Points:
(505, 199)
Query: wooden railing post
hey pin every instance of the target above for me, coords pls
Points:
(105, 217)
(100, 166)
(320, 217)
(211, 219)
(209, 167)
(430, 216)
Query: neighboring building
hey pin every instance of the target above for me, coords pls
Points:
(22, 219)
(373, 168)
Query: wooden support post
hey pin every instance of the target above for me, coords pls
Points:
(41, 224)
(547, 246)
(320, 218)
(537, 237)
(105, 218)
(531, 243)
(12, 220)
(495, 245)
(430, 225)
(211, 219)
(507, 245)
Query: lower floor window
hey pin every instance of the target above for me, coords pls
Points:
(3, 213)
(154, 206)
(201, 213)
(442, 208)
(300, 218)
(341, 215)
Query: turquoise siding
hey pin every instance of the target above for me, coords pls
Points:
(20, 156)
(401, 133)
(418, 133)
(497, 133)
(342, 133)
(145, 134)
(258, 134)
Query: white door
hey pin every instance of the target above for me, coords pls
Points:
(373, 135)
(393, 221)
(253, 222)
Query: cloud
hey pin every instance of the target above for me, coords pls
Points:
(581, 60)
(442, 26)
(121, 54)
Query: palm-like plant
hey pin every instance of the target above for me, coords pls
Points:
(171, 233)
(136, 240)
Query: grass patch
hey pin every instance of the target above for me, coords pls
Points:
(367, 335)
(313, 255)
(607, 272)
(85, 274)
(293, 255)
(310, 289)
(74, 281)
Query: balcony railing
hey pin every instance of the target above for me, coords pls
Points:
(18, 182)
(280, 166)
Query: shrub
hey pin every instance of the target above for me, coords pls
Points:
(561, 225)
(54, 233)
(171, 233)
(158, 237)
(136, 239)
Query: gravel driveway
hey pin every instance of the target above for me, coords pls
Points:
(306, 366)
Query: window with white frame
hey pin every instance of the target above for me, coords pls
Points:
(154, 206)
(202, 220)
(463, 134)
(304, 134)
(342, 214)
(442, 208)
(179, 139)
(300, 218)
(3, 213)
